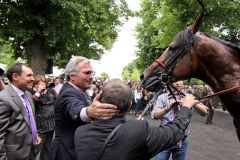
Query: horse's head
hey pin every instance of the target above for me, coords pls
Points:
(178, 61)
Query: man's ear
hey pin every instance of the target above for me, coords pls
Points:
(15, 76)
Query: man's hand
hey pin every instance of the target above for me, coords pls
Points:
(38, 140)
(140, 118)
(41, 87)
(188, 101)
(173, 104)
(98, 110)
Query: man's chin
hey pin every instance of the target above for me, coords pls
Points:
(28, 88)
(24, 89)
(88, 86)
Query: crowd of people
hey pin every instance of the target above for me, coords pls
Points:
(82, 117)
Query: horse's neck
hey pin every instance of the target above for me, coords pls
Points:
(220, 73)
(218, 66)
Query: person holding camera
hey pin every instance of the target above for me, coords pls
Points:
(44, 103)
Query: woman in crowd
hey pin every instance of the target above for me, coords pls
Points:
(44, 104)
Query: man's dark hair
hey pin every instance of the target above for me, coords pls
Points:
(15, 68)
(1, 72)
(118, 93)
(51, 85)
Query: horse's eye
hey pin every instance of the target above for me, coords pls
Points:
(170, 48)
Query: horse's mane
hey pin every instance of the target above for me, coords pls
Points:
(184, 38)
(226, 43)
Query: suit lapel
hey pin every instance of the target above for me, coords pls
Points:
(16, 99)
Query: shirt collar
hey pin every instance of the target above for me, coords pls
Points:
(77, 88)
(19, 92)
(119, 118)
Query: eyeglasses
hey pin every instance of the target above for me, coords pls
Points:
(88, 73)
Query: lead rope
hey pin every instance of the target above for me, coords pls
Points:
(206, 98)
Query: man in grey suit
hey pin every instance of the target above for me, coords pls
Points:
(18, 132)
(2, 85)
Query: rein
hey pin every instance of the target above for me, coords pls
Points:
(229, 90)
(201, 100)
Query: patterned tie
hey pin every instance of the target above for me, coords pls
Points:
(31, 118)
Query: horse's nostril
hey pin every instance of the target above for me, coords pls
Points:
(141, 77)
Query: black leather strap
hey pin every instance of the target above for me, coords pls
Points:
(107, 140)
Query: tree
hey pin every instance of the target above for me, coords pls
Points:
(57, 29)
(6, 53)
(104, 76)
(194, 81)
(163, 19)
(147, 47)
(130, 72)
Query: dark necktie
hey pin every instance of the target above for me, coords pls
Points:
(31, 118)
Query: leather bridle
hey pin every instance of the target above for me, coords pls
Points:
(172, 63)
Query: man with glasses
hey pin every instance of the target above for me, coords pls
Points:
(73, 107)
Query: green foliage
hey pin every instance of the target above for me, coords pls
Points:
(6, 53)
(194, 81)
(130, 72)
(64, 27)
(163, 19)
(148, 49)
(104, 76)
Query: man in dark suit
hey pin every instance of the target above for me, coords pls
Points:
(134, 140)
(18, 129)
(73, 108)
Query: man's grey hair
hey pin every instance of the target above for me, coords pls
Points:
(72, 66)
(118, 93)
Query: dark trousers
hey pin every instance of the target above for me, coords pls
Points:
(138, 106)
(43, 149)
(210, 114)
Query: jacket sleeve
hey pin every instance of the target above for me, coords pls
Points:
(5, 114)
(163, 137)
(73, 105)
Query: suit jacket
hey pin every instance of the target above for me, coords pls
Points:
(134, 140)
(15, 129)
(67, 109)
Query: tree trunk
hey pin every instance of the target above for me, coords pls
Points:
(36, 56)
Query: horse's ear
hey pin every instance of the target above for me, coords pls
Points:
(198, 23)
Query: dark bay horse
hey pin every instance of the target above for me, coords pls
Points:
(198, 55)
